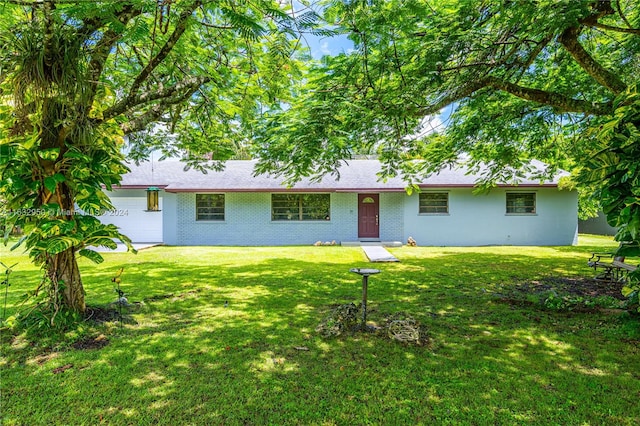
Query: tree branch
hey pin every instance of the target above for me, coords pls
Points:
(102, 50)
(190, 85)
(635, 31)
(48, 31)
(622, 16)
(555, 100)
(569, 39)
(154, 113)
(451, 97)
(180, 28)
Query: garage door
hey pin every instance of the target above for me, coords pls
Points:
(134, 221)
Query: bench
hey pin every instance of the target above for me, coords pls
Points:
(614, 270)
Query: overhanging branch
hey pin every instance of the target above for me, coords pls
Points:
(103, 49)
(605, 27)
(154, 113)
(569, 39)
(556, 100)
(189, 85)
(180, 28)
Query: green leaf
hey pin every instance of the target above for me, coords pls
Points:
(7, 151)
(49, 153)
(628, 291)
(50, 183)
(59, 244)
(19, 242)
(59, 177)
(92, 255)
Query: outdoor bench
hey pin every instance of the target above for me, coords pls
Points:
(614, 270)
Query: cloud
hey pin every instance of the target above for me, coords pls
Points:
(324, 48)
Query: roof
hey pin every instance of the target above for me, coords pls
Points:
(239, 176)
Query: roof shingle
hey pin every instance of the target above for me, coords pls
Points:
(238, 176)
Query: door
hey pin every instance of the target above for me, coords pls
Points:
(131, 216)
(368, 216)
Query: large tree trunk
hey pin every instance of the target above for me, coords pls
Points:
(62, 269)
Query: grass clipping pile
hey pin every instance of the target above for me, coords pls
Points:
(341, 319)
(404, 328)
(399, 327)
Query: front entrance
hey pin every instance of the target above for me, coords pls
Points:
(368, 216)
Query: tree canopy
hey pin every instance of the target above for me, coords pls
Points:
(78, 77)
(553, 80)
(525, 80)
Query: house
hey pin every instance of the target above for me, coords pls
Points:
(234, 207)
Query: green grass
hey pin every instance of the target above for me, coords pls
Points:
(187, 359)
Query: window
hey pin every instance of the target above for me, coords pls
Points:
(521, 203)
(209, 206)
(434, 202)
(300, 206)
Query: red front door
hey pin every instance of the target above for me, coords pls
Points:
(368, 216)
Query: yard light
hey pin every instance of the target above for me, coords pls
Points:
(152, 199)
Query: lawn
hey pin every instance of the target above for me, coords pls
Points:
(226, 335)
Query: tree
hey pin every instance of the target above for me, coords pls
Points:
(78, 77)
(552, 80)
(529, 79)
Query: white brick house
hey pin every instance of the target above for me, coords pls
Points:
(234, 207)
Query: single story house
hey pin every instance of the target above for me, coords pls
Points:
(234, 207)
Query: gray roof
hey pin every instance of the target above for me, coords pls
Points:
(239, 176)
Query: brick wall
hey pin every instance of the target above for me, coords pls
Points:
(248, 222)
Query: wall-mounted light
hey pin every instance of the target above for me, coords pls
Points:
(153, 203)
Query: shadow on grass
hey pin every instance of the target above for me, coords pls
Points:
(234, 343)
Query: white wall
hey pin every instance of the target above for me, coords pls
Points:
(248, 222)
(132, 217)
(472, 220)
(482, 220)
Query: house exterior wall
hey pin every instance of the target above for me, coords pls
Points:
(482, 220)
(472, 220)
(131, 216)
(392, 206)
(248, 223)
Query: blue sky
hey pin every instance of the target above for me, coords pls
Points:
(321, 46)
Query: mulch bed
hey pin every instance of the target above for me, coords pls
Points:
(583, 287)
(91, 343)
(100, 314)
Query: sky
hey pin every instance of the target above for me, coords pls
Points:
(321, 46)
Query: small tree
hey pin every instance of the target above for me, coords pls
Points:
(78, 77)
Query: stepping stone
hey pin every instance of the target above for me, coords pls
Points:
(378, 254)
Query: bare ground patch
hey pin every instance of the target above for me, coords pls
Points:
(582, 287)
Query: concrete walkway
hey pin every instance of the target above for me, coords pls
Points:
(378, 254)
